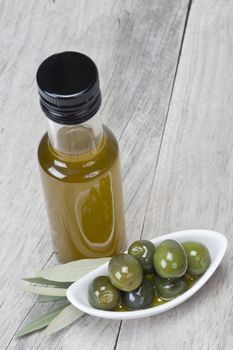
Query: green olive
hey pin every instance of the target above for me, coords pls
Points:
(170, 260)
(125, 272)
(168, 289)
(140, 298)
(198, 257)
(143, 251)
(102, 294)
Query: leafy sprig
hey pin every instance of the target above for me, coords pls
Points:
(50, 285)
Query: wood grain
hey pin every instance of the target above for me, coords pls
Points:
(136, 47)
(193, 185)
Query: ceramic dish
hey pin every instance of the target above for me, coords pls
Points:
(216, 242)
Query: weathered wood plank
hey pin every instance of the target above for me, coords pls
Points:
(136, 46)
(193, 186)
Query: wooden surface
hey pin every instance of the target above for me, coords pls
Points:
(166, 76)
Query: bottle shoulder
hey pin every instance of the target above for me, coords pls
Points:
(79, 168)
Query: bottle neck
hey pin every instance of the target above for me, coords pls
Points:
(75, 139)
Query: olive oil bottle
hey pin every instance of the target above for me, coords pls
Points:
(79, 161)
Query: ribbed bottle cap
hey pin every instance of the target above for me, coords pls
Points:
(68, 85)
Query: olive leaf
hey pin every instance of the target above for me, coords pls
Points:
(39, 323)
(71, 271)
(39, 280)
(67, 316)
(47, 298)
(58, 292)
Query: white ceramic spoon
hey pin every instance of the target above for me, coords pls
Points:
(77, 293)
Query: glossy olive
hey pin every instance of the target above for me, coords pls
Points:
(170, 260)
(143, 251)
(168, 289)
(125, 272)
(140, 298)
(102, 294)
(198, 257)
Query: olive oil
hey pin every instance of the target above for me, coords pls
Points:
(79, 161)
(121, 307)
(191, 280)
(158, 301)
(84, 199)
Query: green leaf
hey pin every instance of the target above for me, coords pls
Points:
(39, 323)
(47, 298)
(67, 316)
(58, 292)
(39, 280)
(72, 271)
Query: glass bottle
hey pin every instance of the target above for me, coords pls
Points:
(79, 161)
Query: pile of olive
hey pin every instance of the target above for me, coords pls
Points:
(146, 272)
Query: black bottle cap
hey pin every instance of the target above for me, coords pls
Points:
(68, 85)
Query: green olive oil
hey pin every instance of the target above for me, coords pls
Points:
(84, 199)
(79, 161)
